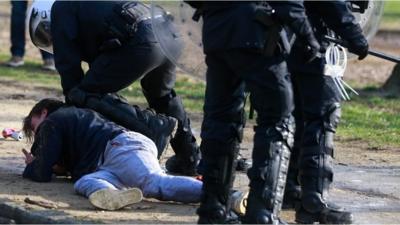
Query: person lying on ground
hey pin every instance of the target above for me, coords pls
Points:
(109, 164)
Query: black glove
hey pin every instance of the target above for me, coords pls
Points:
(354, 40)
(359, 46)
(302, 28)
(311, 49)
(76, 96)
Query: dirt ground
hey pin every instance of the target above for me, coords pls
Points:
(16, 99)
(15, 102)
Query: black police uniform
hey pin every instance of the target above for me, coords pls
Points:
(317, 114)
(234, 41)
(116, 39)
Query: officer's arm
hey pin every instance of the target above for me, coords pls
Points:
(67, 55)
(47, 150)
(292, 13)
(338, 16)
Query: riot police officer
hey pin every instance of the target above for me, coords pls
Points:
(241, 43)
(116, 39)
(317, 113)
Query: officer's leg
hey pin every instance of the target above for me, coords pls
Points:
(158, 87)
(157, 127)
(112, 71)
(116, 69)
(269, 83)
(322, 115)
(221, 134)
(292, 189)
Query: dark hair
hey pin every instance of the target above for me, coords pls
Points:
(48, 103)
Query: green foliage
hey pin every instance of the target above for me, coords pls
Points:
(30, 73)
(373, 118)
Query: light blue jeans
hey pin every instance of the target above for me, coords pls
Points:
(130, 160)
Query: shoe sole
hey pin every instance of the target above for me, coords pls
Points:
(109, 199)
(15, 65)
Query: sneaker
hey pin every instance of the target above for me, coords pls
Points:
(110, 199)
(48, 64)
(239, 202)
(15, 61)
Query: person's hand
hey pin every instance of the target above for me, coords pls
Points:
(358, 46)
(28, 156)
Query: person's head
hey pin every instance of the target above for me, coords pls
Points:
(38, 114)
(39, 24)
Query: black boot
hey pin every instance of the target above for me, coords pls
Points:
(315, 177)
(187, 153)
(157, 127)
(316, 172)
(267, 176)
(333, 214)
(219, 162)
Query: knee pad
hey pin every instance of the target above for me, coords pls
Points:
(332, 117)
(331, 121)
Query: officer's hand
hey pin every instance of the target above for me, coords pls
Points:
(76, 96)
(358, 46)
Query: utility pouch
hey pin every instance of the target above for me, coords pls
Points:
(122, 24)
(134, 12)
(264, 15)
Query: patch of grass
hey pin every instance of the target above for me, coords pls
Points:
(30, 73)
(391, 15)
(373, 118)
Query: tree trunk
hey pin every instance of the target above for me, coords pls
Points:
(392, 84)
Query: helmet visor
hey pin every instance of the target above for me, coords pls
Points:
(40, 32)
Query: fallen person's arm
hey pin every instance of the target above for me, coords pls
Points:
(46, 150)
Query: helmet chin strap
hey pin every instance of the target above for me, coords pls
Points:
(336, 62)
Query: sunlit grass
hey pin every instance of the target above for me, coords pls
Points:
(391, 16)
